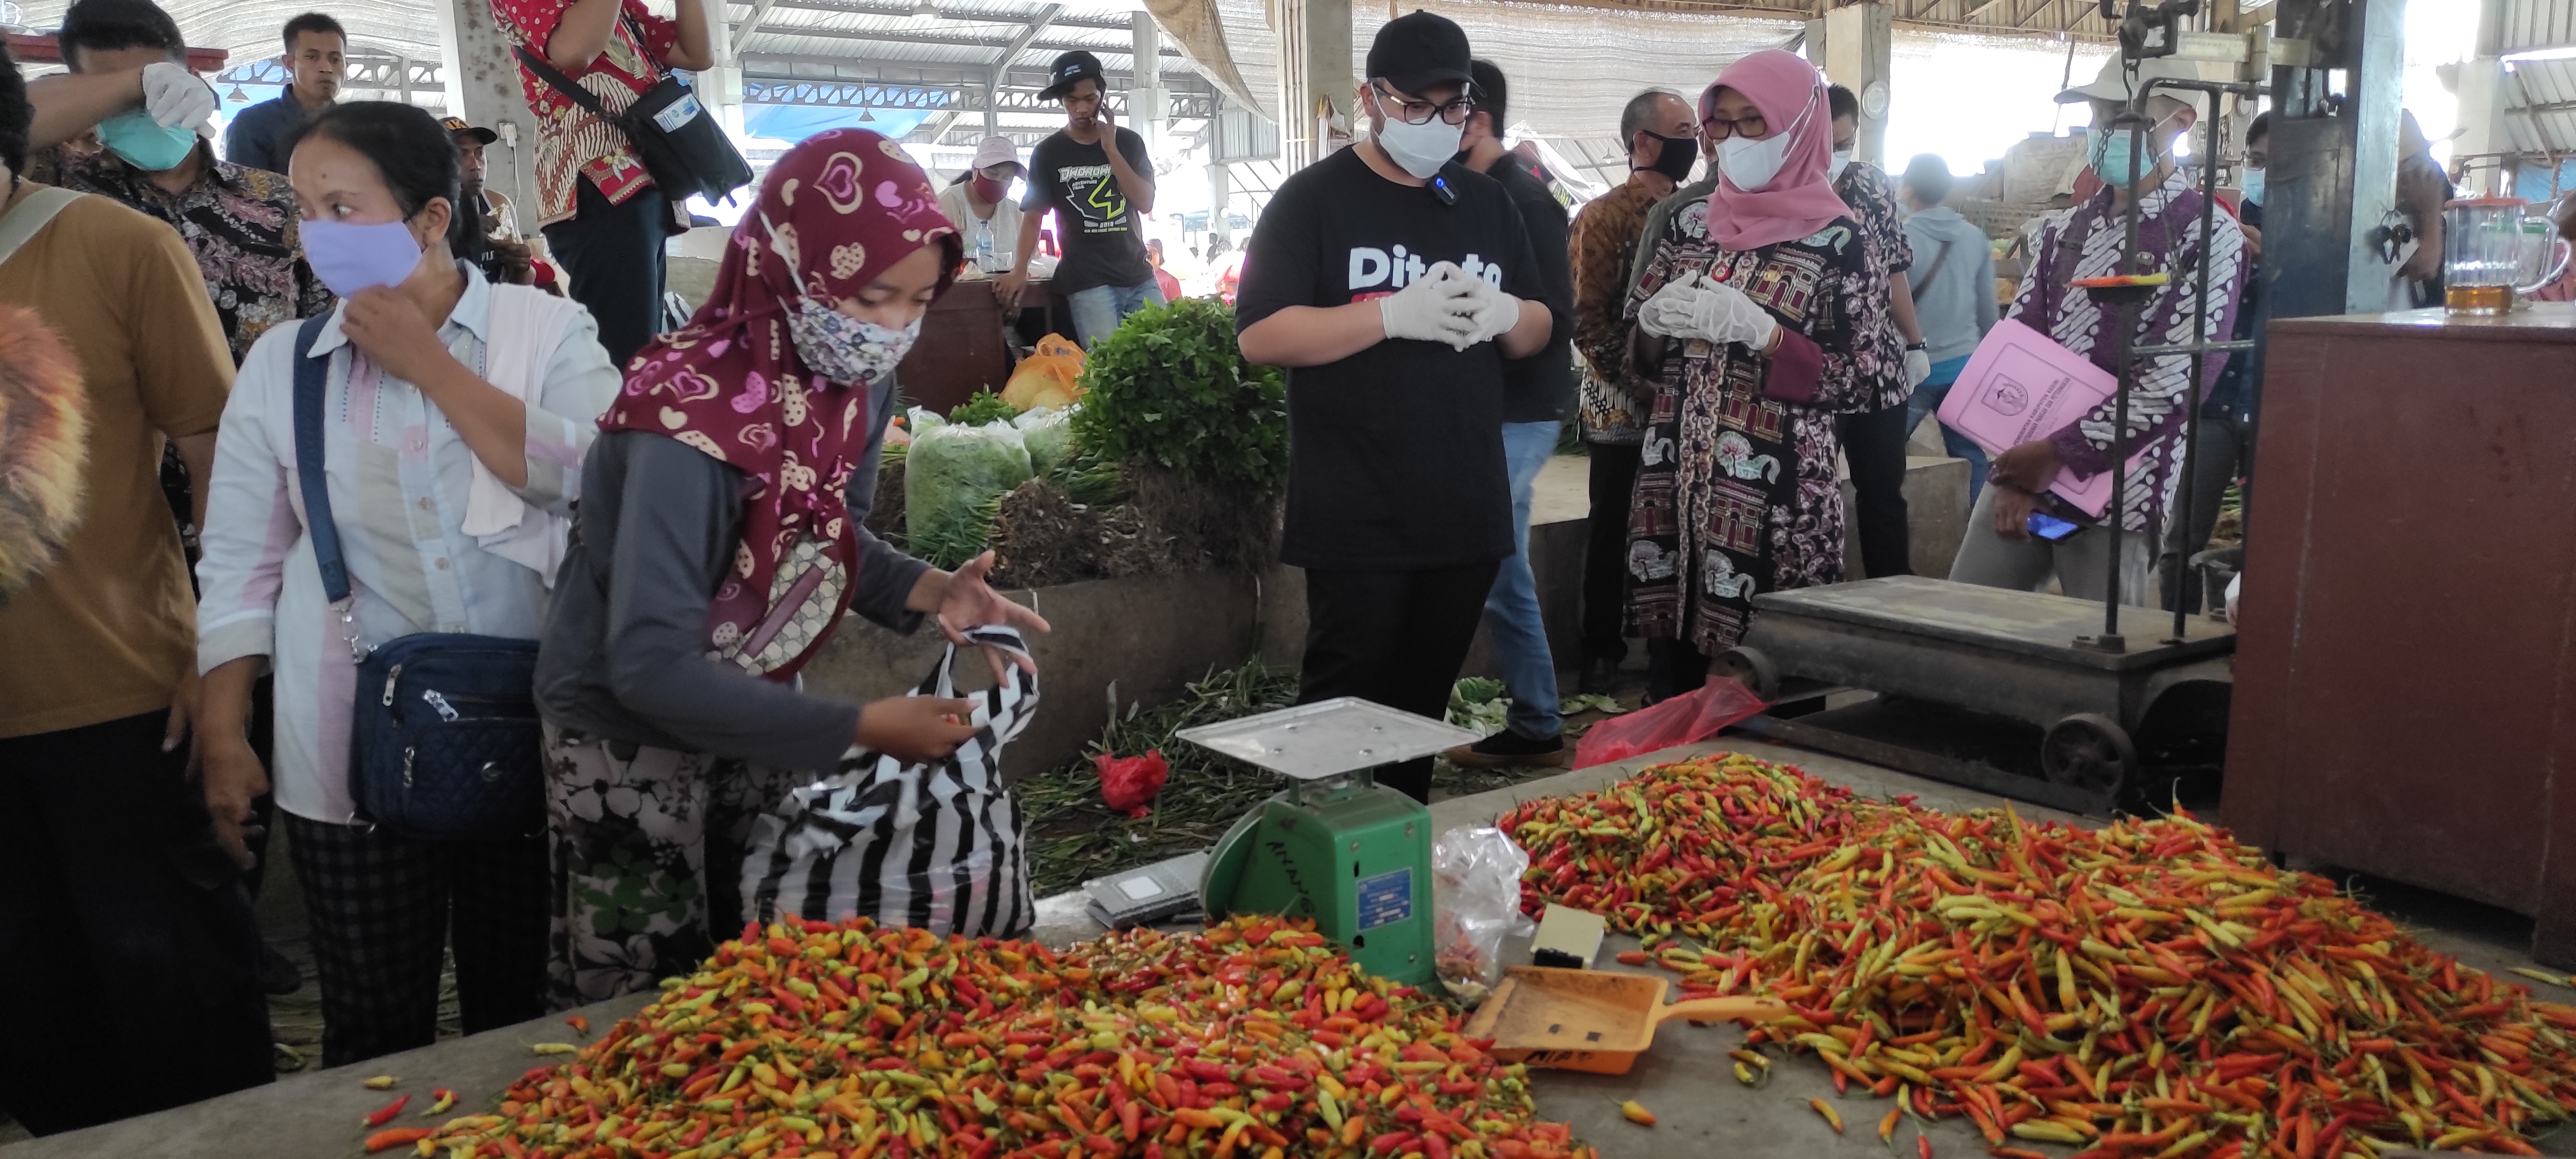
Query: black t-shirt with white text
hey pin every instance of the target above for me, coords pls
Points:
(1103, 237)
(1395, 454)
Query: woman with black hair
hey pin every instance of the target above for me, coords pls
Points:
(980, 205)
(456, 413)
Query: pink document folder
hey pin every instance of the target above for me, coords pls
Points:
(2019, 386)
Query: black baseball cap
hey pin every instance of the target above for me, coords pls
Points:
(1073, 66)
(460, 125)
(1420, 49)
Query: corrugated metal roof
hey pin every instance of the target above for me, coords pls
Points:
(249, 30)
(2541, 112)
(2530, 24)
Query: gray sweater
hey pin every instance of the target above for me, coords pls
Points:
(624, 654)
(1955, 303)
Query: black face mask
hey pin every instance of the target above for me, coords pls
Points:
(1676, 157)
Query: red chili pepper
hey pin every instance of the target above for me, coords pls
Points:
(385, 1114)
(397, 1136)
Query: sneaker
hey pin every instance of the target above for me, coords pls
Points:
(1510, 750)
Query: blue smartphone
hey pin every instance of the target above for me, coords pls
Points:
(2047, 526)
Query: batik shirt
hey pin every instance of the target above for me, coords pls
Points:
(1864, 188)
(1736, 485)
(1610, 404)
(239, 222)
(2086, 242)
(573, 142)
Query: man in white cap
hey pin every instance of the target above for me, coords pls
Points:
(2018, 536)
(979, 204)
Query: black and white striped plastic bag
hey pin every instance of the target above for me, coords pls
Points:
(934, 846)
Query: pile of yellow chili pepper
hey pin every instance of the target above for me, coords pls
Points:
(1251, 1039)
(2148, 989)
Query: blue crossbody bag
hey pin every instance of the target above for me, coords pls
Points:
(444, 743)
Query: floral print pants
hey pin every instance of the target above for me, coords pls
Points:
(647, 860)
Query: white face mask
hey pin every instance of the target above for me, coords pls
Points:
(1834, 168)
(1418, 149)
(1751, 165)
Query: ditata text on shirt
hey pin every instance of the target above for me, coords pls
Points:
(1372, 268)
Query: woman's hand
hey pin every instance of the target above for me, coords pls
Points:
(2013, 507)
(961, 599)
(2031, 466)
(232, 779)
(390, 329)
(912, 729)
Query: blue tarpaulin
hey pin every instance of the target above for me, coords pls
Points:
(797, 122)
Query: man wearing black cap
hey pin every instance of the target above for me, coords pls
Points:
(1393, 283)
(1099, 195)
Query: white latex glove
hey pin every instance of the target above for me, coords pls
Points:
(175, 98)
(1439, 306)
(1918, 366)
(1695, 307)
(1496, 312)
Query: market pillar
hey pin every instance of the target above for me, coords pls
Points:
(1219, 229)
(483, 87)
(1858, 41)
(1145, 107)
(2484, 142)
(1316, 84)
(720, 88)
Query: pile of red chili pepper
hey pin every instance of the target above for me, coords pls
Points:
(1251, 1039)
(2148, 989)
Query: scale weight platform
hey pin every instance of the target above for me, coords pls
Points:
(1335, 845)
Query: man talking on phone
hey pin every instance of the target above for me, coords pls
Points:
(1100, 183)
(1392, 282)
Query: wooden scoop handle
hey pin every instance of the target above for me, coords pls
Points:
(1725, 1009)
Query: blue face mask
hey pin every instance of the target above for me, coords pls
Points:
(2111, 157)
(350, 257)
(143, 143)
(2253, 183)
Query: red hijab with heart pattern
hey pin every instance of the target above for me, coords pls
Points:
(841, 207)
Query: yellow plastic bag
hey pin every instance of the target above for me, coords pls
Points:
(1050, 377)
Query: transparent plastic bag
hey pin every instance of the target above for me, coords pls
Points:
(1049, 435)
(1476, 902)
(951, 476)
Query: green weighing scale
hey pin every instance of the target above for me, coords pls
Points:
(1335, 845)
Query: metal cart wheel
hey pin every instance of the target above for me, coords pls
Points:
(1749, 667)
(2089, 751)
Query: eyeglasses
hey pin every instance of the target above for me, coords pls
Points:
(1413, 112)
(1719, 128)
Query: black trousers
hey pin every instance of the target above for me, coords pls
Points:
(1874, 444)
(1394, 637)
(383, 907)
(612, 258)
(125, 933)
(1605, 554)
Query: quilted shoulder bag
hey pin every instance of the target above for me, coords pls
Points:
(936, 846)
(444, 743)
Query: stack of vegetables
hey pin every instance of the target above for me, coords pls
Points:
(2151, 988)
(1251, 1039)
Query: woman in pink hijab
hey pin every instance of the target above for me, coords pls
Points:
(1764, 294)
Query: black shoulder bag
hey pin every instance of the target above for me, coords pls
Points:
(678, 142)
(444, 743)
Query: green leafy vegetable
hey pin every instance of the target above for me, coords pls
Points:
(982, 407)
(1170, 387)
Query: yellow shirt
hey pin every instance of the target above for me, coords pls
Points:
(107, 631)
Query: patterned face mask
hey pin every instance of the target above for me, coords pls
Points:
(847, 350)
(843, 349)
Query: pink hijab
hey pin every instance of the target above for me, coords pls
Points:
(1800, 200)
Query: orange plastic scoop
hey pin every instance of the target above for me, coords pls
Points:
(1592, 1020)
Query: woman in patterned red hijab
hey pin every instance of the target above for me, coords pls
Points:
(738, 382)
(719, 540)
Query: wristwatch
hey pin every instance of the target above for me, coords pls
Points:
(1918, 346)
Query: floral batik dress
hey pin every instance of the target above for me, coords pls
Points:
(1737, 491)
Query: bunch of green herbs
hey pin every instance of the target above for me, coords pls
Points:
(1171, 387)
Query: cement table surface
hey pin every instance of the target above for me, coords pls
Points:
(1685, 1078)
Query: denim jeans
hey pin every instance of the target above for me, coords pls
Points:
(1511, 609)
(1927, 399)
(1100, 309)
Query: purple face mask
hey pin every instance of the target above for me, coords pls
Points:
(349, 258)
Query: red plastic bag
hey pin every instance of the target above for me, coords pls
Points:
(1678, 721)
(1130, 784)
